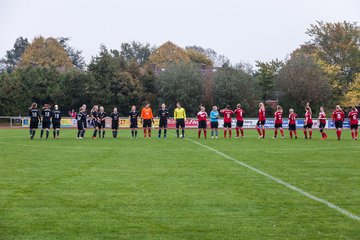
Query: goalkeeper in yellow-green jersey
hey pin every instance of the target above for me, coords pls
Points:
(180, 118)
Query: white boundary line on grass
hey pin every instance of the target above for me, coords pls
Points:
(288, 185)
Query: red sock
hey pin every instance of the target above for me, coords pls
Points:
(310, 133)
(259, 131)
(224, 133)
(323, 134)
(237, 132)
(305, 133)
(205, 133)
(338, 133)
(275, 132)
(242, 132)
(263, 133)
(352, 134)
(230, 132)
(290, 134)
(144, 132)
(199, 133)
(149, 132)
(295, 133)
(282, 132)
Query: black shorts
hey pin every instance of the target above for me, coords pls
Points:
(133, 124)
(163, 123)
(202, 124)
(214, 124)
(115, 125)
(338, 124)
(322, 125)
(239, 123)
(278, 125)
(180, 123)
(227, 124)
(94, 123)
(146, 123)
(46, 124)
(262, 123)
(56, 124)
(354, 126)
(309, 125)
(292, 127)
(80, 125)
(34, 124)
(101, 124)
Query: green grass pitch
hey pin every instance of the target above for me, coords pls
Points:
(175, 189)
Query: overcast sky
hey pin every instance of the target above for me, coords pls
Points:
(241, 30)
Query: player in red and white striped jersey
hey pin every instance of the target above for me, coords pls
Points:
(308, 122)
(322, 123)
(354, 122)
(227, 112)
(292, 123)
(239, 112)
(202, 115)
(260, 125)
(278, 120)
(338, 117)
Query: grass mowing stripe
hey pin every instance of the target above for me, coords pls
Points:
(288, 185)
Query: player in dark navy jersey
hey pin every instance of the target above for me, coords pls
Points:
(56, 121)
(85, 112)
(95, 120)
(163, 119)
(115, 122)
(46, 120)
(133, 118)
(101, 123)
(34, 115)
(80, 120)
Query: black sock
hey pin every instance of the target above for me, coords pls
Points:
(99, 133)
(82, 133)
(103, 135)
(177, 132)
(95, 133)
(132, 133)
(183, 132)
(159, 132)
(54, 133)
(41, 133)
(58, 133)
(33, 135)
(30, 131)
(165, 132)
(135, 133)
(79, 131)
(47, 134)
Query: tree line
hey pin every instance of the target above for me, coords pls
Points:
(323, 71)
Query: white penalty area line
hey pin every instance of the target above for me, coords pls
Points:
(288, 185)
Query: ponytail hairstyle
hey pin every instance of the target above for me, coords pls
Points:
(33, 105)
(95, 108)
(261, 105)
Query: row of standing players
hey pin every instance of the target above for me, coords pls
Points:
(98, 116)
